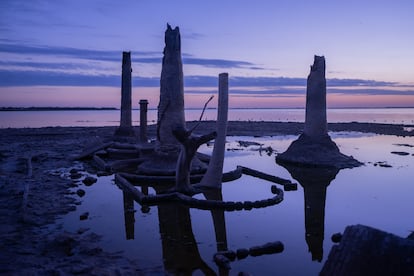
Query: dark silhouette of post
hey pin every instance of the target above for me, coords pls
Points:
(171, 106)
(125, 127)
(315, 118)
(143, 109)
(314, 147)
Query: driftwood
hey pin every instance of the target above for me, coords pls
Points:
(124, 184)
(101, 163)
(27, 188)
(119, 145)
(128, 187)
(190, 144)
(29, 167)
(89, 152)
(123, 153)
(168, 179)
(126, 163)
(278, 180)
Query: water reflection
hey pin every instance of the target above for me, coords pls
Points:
(314, 182)
(181, 255)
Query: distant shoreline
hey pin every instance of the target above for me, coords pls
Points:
(190, 108)
(54, 108)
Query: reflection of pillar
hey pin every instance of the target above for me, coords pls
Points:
(125, 128)
(145, 208)
(143, 107)
(129, 215)
(314, 182)
(179, 247)
(219, 224)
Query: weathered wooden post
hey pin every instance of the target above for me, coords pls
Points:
(125, 128)
(315, 118)
(171, 105)
(213, 176)
(143, 109)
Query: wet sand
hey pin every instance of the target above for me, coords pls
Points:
(32, 197)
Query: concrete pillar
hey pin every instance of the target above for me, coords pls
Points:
(125, 127)
(315, 121)
(143, 109)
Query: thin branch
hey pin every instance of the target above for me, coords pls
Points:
(202, 113)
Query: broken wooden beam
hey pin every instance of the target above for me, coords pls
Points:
(90, 151)
(288, 185)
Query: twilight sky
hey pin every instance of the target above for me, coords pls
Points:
(68, 52)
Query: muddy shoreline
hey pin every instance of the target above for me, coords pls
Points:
(32, 198)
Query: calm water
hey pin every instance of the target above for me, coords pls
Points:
(372, 195)
(19, 119)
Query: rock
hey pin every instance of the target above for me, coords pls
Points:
(89, 180)
(336, 237)
(73, 171)
(242, 253)
(402, 153)
(84, 216)
(230, 254)
(268, 248)
(248, 205)
(222, 261)
(80, 192)
(75, 175)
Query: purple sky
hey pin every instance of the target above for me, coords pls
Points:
(68, 52)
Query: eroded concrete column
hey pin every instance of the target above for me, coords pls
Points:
(171, 105)
(125, 127)
(143, 109)
(315, 121)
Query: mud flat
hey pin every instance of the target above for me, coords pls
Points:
(33, 195)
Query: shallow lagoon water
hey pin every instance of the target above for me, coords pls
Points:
(372, 195)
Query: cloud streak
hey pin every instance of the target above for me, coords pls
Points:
(253, 86)
(148, 57)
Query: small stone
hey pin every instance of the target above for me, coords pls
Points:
(268, 248)
(84, 216)
(89, 180)
(222, 261)
(230, 254)
(336, 237)
(242, 253)
(80, 192)
(73, 171)
(75, 175)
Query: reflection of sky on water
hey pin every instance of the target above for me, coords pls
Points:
(371, 195)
